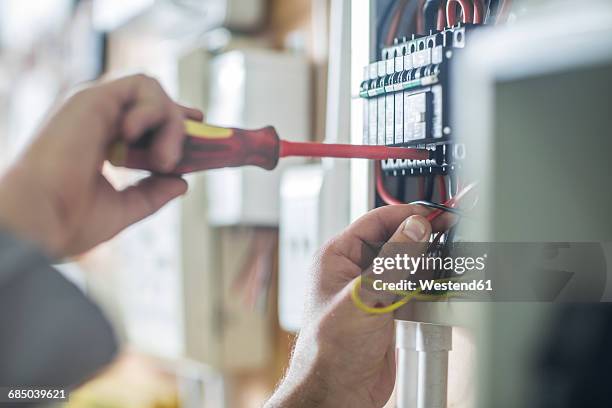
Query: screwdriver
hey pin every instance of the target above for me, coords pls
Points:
(210, 147)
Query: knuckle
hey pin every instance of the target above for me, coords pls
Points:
(141, 77)
(95, 99)
(326, 251)
(147, 81)
(81, 96)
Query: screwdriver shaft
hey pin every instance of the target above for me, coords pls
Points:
(306, 149)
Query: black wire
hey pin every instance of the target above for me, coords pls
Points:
(383, 22)
(401, 188)
(487, 11)
(493, 11)
(437, 206)
(449, 238)
(431, 14)
(452, 185)
(408, 19)
(429, 187)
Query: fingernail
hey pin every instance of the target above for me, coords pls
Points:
(415, 229)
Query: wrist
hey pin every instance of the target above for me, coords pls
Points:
(311, 392)
(309, 381)
(25, 212)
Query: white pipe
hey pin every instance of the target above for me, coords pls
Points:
(407, 364)
(433, 342)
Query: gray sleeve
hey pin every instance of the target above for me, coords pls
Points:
(51, 334)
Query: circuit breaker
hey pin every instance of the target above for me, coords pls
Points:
(406, 98)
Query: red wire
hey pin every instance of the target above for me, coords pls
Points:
(441, 23)
(420, 18)
(451, 202)
(451, 11)
(504, 11)
(479, 12)
(387, 198)
(397, 18)
(382, 190)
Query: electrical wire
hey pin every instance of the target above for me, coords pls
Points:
(437, 206)
(420, 17)
(452, 202)
(493, 12)
(479, 12)
(406, 296)
(383, 193)
(441, 23)
(389, 199)
(451, 11)
(504, 11)
(442, 191)
(382, 22)
(429, 187)
(452, 182)
(395, 22)
(421, 187)
(408, 25)
(430, 11)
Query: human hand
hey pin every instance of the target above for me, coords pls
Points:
(343, 356)
(56, 196)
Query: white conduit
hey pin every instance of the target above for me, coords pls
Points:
(422, 375)
(407, 364)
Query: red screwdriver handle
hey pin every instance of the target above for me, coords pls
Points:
(207, 147)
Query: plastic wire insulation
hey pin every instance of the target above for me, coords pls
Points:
(395, 22)
(430, 10)
(479, 12)
(382, 22)
(442, 191)
(407, 297)
(504, 11)
(452, 202)
(436, 206)
(451, 11)
(441, 23)
(420, 17)
(493, 11)
(382, 190)
(429, 187)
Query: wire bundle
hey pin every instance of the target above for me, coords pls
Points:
(430, 15)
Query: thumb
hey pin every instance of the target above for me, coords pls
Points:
(415, 229)
(148, 196)
(410, 240)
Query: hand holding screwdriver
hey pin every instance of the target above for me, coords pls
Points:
(211, 147)
(56, 196)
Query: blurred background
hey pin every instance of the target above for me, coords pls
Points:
(192, 291)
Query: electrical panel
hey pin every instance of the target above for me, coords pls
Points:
(406, 98)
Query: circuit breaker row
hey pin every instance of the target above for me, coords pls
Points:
(406, 100)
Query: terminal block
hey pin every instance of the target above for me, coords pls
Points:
(406, 101)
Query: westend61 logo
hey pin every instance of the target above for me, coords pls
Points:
(509, 271)
(411, 264)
